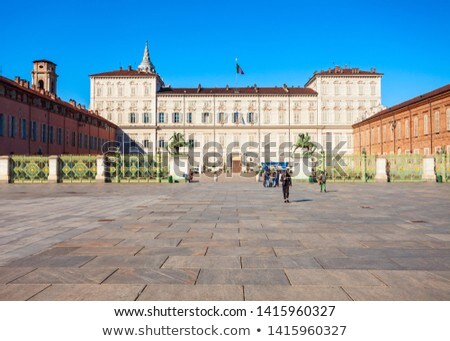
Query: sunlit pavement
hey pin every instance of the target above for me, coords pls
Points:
(230, 240)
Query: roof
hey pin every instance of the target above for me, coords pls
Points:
(338, 71)
(43, 60)
(241, 91)
(410, 102)
(124, 73)
(56, 100)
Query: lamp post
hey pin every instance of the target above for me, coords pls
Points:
(158, 165)
(363, 165)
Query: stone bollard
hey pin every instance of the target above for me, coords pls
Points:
(4, 169)
(380, 175)
(53, 169)
(100, 176)
(428, 173)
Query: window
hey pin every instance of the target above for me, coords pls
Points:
(267, 117)
(23, 129)
(80, 140)
(399, 131)
(176, 117)
(120, 91)
(146, 117)
(86, 140)
(44, 133)
(425, 124)
(12, 126)
(336, 89)
(281, 117)
(235, 117)
(110, 91)
(161, 143)
(296, 117)
(161, 117)
(324, 117)
(337, 116)
(407, 129)
(74, 137)
(349, 141)
(436, 122)
(372, 89)
(2, 124)
(447, 112)
(191, 143)
(250, 117)
(34, 131)
(349, 90)
(59, 137)
(378, 134)
(221, 118)
(50, 134)
(132, 118)
(361, 89)
(416, 126)
(206, 117)
(189, 117)
(133, 91)
(146, 90)
(349, 116)
(92, 145)
(99, 90)
(67, 137)
(312, 117)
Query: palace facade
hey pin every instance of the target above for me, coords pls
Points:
(33, 120)
(234, 122)
(420, 125)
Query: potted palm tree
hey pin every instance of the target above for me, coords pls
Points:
(179, 162)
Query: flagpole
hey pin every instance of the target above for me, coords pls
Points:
(235, 76)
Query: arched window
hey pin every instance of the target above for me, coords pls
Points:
(41, 84)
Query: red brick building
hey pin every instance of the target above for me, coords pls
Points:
(33, 120)
(420, 125)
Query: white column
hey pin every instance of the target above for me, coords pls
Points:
(53, 171)
(100, 176)
(428, 173)
(380, 174)
(4, 169)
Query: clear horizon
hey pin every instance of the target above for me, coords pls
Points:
(197, 42)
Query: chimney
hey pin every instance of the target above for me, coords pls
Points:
(129, 68)
(199, 87)
(227, 88)
(72, 102)
(17, 79)
(120, 68)
(285, 88)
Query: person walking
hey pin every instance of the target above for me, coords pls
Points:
(286, 182)
(277, 178)
(323, 181)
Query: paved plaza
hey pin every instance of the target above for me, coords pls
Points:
(231, 240)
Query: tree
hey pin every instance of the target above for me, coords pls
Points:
(176, 142)
(304, 142)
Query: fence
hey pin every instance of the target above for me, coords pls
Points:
(142, 168)
(29, 169)
(404, 167)
(132, 168)
(78, 168)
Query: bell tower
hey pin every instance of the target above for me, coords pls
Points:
(44, 75)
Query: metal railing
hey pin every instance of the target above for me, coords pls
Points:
(78, 168)
(29, 168)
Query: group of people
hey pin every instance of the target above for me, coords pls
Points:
(276, 177)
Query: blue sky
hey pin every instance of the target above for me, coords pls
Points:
(194, 42)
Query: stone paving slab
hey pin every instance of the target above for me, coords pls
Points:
(157, 276)
(198, 262)
(328, 278)
(180, 292)
(89, 292)
(20, 292)
(65, 276)
(242, 276)
(293, 293)
(233, 241)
